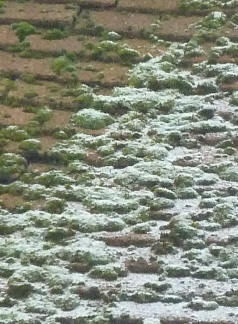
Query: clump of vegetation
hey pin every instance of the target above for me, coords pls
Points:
(2, 6)
(194, 5)
(53, 34)
(14, 133)
(6, 85)
(23, 29)
(234, 99)
(28, 78)
(191, 5)
(111, 51)
(30, 147)
(11, 167)
(54, 205)
(63, 64)
(193, 49)
(23, 46)
(92, 119)
(87, 26)
(214, 20)
(18, 287)
(234, 19)
(43, 115)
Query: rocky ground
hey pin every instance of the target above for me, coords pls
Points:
(118, 162)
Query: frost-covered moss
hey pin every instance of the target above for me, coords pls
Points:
(92, 119)
(107, 272)
(224, 73)
(193, 49)
(193, 5)
(223, 46)
(18, 287)
(53, 178)
(54, 205)
(92, 253)
(156, 74)
(129, 98)
(157, 175)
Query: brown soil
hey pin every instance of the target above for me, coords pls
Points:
(32, 11)
(228, 59)
(38, 167)
(7, 36)
(94, 73)
(89, 292)
(70, 44)
(14, 116)
(79, 267)
(11, 202)
(125, 23)
(97, 3)
(47, 142)
(142, 266)
(93, 132)
(59, 119)
(150, 5)
(47, 93)
(129, 239)
(233, 86)
(144, 47)
(93, 158)
(12, 63)
(177, 28)
(11, 147)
